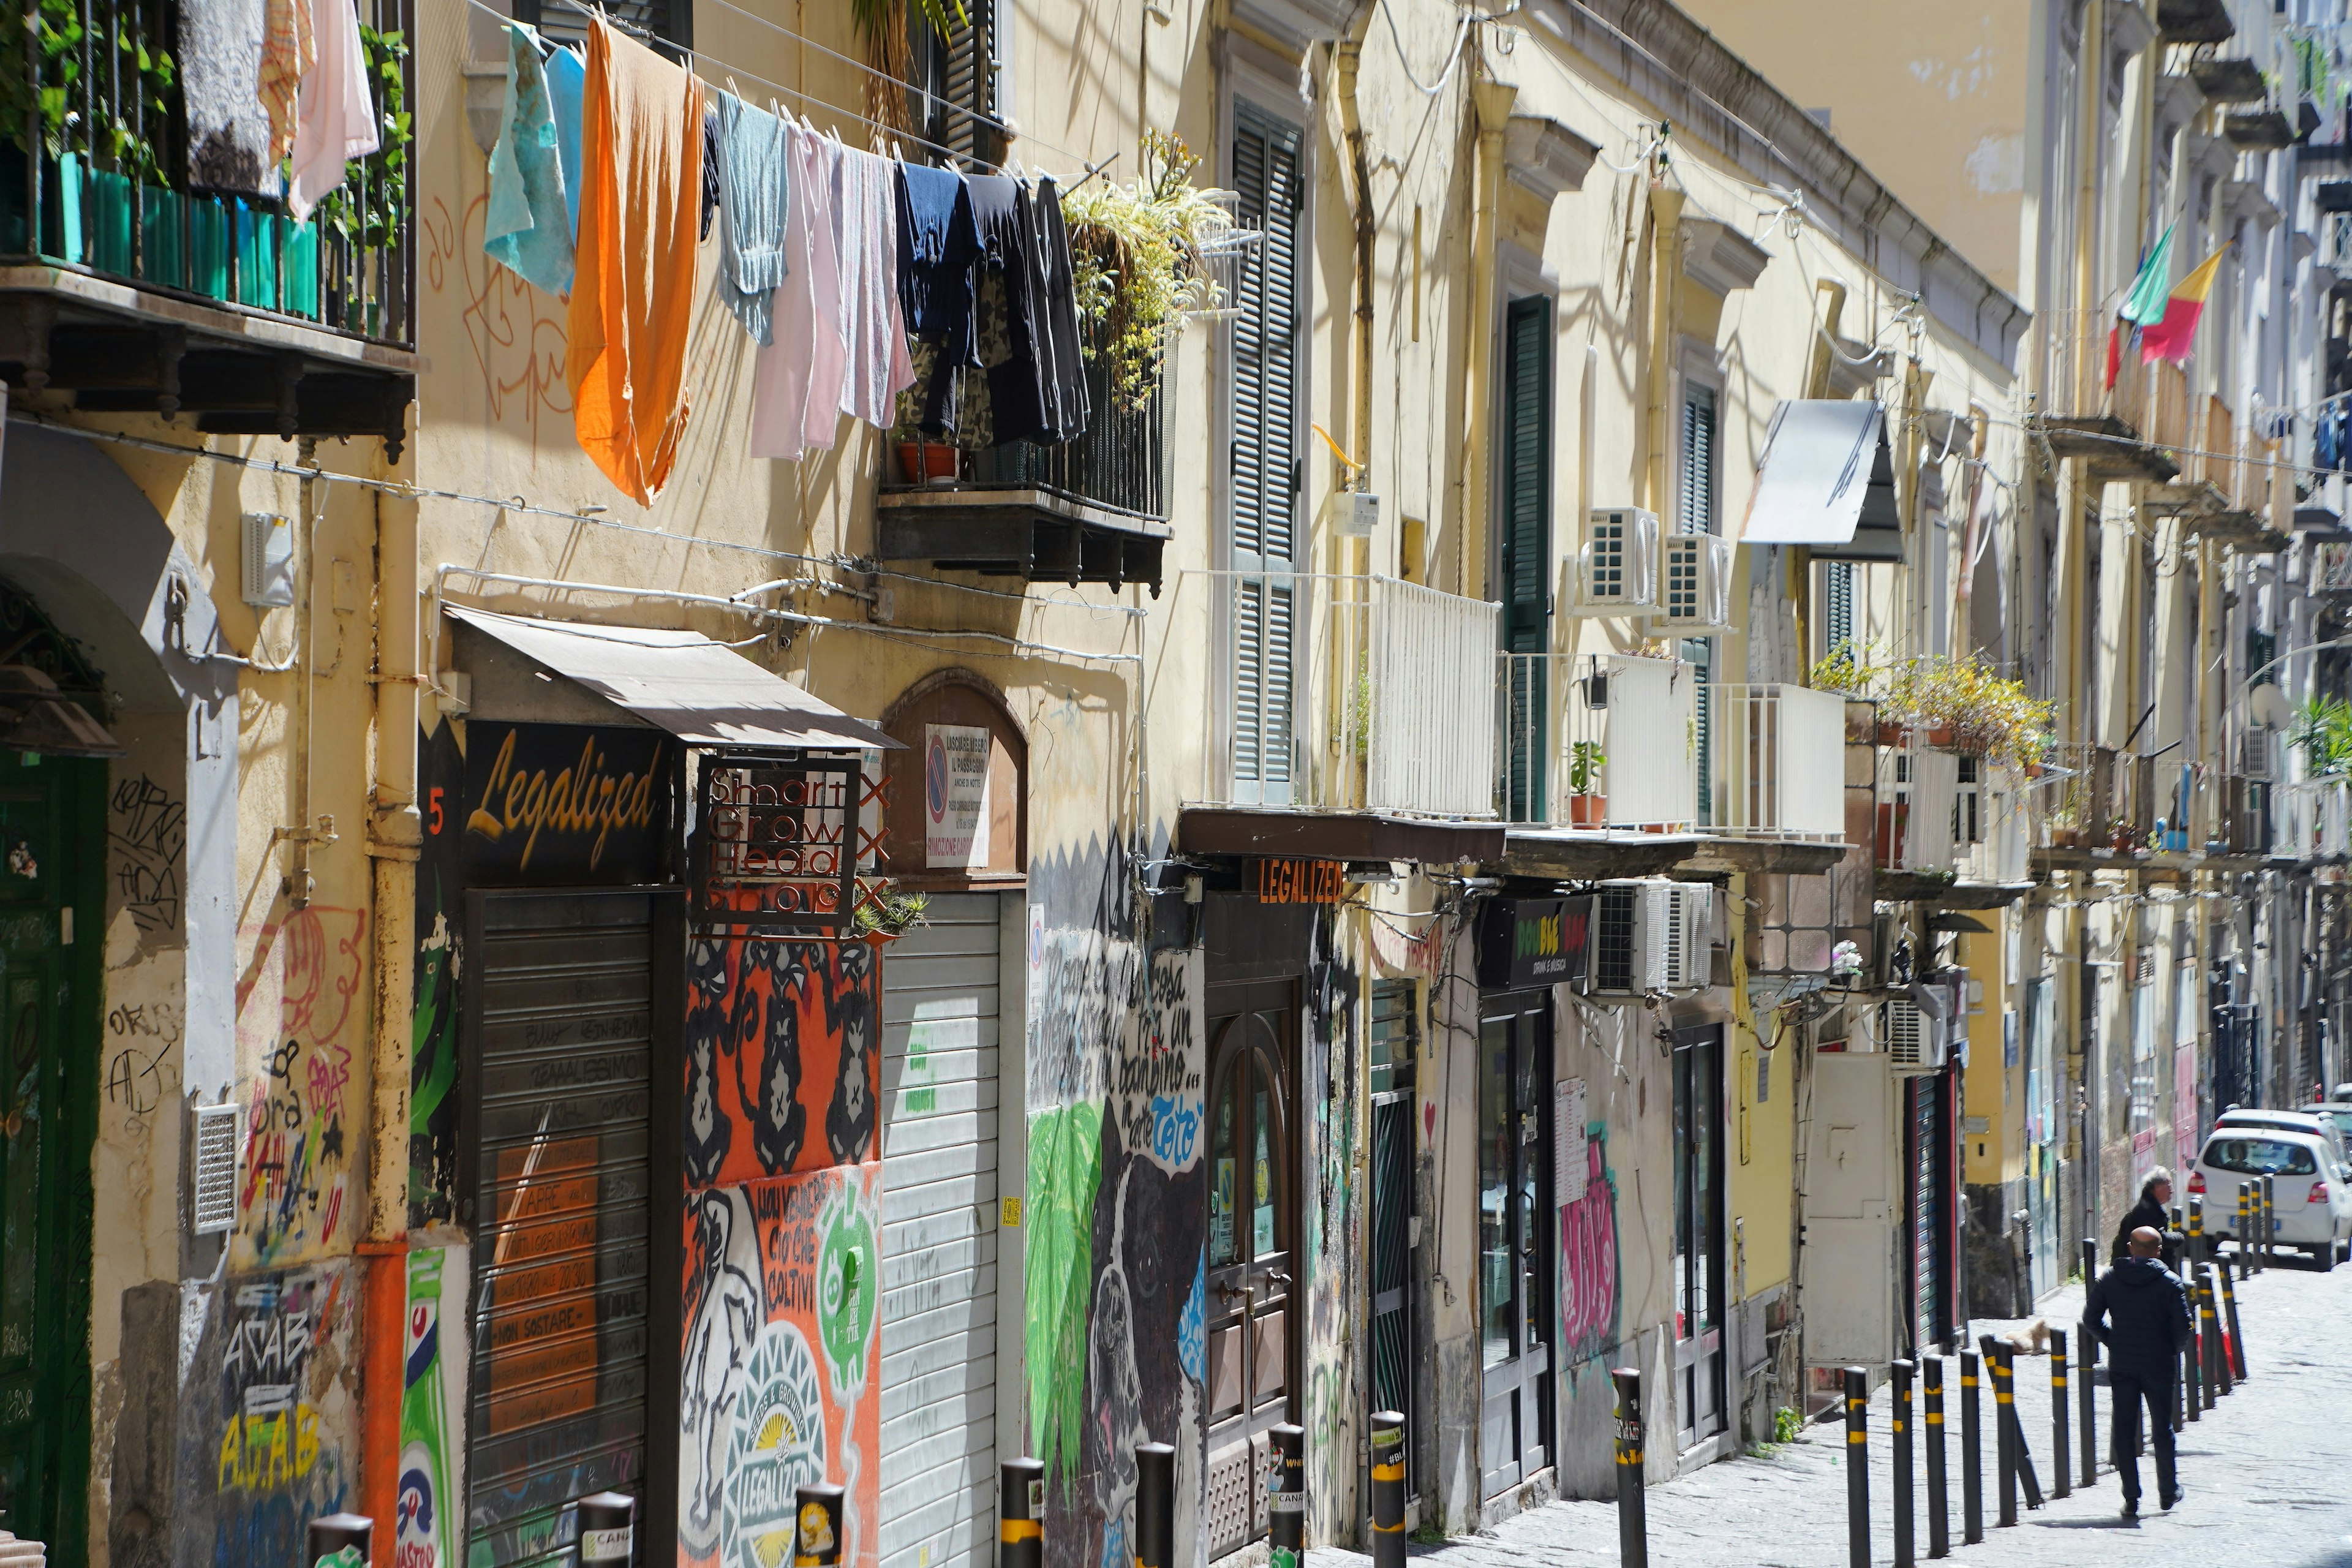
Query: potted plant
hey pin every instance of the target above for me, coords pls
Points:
(1585, 807)
(2066, 828)
(1140, 261)
(889, 915)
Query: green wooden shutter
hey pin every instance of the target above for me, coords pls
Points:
(1526, 506)
(1694, 512)
(1837, 622)
(1264, 459)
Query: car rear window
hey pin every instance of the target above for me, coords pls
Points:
(2260, 1157)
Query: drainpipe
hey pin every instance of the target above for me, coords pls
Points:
(1492, 102)
(1665, 261)
(393, 840)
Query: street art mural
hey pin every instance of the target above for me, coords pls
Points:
(428, 1508)
(274, 1452)
(781, 1375)
(1587, 1258)
(783, 1057)
(301, 1023)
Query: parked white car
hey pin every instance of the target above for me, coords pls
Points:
(2337, 1113)
(2307, 1120)
(2312, 1188)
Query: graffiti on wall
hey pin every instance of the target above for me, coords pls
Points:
(781, 1376)
(427, 1509)
(300, 1023)
(1587, 1258)
(146, 835)
(278, 1461)
(783, 1057)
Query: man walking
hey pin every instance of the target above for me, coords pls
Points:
(2139, 1311)
(2154, 1211)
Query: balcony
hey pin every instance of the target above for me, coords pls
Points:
(2100, 403)
(1355, 720)
(1091, 510)
(123, 283)
(1597, 741)
(1776, 763)
(2315, 820)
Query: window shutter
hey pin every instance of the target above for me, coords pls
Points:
(1699, 653)
(968, 84)
(1264, 459)
(1526, 505)
(1837, 612)
(1695, 512)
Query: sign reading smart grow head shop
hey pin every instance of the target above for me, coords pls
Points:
(1534, 941)
(779, 840)
(550, 804)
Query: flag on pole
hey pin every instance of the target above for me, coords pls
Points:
(2144, 303)
(2170, 338)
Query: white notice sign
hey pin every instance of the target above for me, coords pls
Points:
(955, 796)
(1570, 1149)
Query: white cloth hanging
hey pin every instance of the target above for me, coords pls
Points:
(334, 115)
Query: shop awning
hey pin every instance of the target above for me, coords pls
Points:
(701, 692)
(1826, 480)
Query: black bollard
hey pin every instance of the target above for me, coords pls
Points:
(2267, 1196)
(2195, 1231)
(1857, 1468)
(2237, 1336)
(2192, 1382)
(1388, 1488)
(2217, 1353)
(1155, 1505)
(2245, 1231)
(1899, 1426)
(1633, 1501)
(1971, 1455)
(817, 1512)
(2181, 1362)
(1021, 1513)
(1285, 1499)
(340, 1540)
(2004, 1429)
(1939, 1523)
(2061, 1441)
(608, 1528)
(2087, 1391)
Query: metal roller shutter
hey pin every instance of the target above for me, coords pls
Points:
(938, 1238)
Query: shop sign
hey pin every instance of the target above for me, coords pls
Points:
(955, 796)
(556, 803)
(1534, 941)
(779, 840)
(1301, 881)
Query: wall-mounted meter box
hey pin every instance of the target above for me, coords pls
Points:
(1353, 514)
(268, 560)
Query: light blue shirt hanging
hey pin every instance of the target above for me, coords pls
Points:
(528, 227)
(567, 83)
(753, 146)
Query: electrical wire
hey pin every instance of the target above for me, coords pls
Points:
(1453, 55)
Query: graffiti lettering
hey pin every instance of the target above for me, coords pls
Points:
(1588, 1262)
(147, 830)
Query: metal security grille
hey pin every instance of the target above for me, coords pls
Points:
(1927, 1127)
(939, 1055)
(1526, 543)
(1613, 940)
(561, 1015)
(1395, 1045)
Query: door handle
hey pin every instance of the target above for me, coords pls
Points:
(1277, 1276)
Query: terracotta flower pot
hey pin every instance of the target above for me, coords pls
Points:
(878, 940)
(1587, 811)
(922, 461)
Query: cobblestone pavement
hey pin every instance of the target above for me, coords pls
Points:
(2268, 1474)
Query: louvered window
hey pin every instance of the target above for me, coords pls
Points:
(1264, 459)
(1837, 605)
(956, 82)
(567, 23)
(1700, 654)
(1525, 504)
(1694, 508)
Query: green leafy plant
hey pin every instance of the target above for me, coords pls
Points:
(370, 208)
(1585, 761)
(1987, 714)
(891, 913)
(1787, 1425)
(133, 106)
(1138, 261)
(2322, 726)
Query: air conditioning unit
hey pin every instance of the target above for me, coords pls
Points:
(1695, 596)
(1918, 1030)
(1617, 569)
(1653, 935)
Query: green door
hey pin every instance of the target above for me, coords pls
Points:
(52, 838)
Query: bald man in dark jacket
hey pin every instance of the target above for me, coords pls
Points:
(2139, 1311)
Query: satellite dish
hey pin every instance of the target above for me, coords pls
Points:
(2266, 705)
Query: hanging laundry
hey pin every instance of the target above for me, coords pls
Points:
(221, 44)
(632, 296)
(567, 78)
(2327, 453)
(754, 165)
(995, 210)
(528, 227)
(938, 242)
(288, 50)
(334, 115)
(1061, 340)
(874, 328)
(796, 379)
(710, 168)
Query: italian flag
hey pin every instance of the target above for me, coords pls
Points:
(2171, 337)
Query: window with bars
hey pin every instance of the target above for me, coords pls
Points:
(1264, 365)
(1695, 502)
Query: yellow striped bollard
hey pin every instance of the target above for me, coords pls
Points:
(1388, 1488)
(1021, 1513)
(1633, 1501)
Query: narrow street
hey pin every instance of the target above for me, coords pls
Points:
(2268, 1473)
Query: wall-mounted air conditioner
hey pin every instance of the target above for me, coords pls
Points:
(1617, 569)
(1920, 1028)
(1695, 594)
(1653, 935)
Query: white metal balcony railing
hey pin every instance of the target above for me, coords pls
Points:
(2315, 818)
(1778, 763)
(1595, 741)
(1918, 808)
(1348, 693)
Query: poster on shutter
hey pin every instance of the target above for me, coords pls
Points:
(955, 796)
(1568, 1140)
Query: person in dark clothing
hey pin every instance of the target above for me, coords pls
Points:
(2153, 1210)
(2139, 1311)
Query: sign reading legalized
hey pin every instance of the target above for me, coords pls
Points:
(1301, 881)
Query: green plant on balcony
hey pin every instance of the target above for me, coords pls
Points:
(890, 914)
(1137, 260)
(370, 209)
(1585, 761)
(1958, 702)
(2322, 726)
(57, 100)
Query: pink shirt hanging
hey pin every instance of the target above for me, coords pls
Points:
(796, 379)
(864, 217)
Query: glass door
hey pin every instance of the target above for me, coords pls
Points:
(1699, 1301)
(1515, 1238)
(1252, 1224)
(1395, 1043)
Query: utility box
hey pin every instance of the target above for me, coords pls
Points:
(268, 560)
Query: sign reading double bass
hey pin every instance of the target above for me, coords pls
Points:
(778, 841)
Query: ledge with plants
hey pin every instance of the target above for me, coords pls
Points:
(1944, 703)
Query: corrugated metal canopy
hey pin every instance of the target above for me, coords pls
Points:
(701, 692)
(1827, 480)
